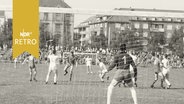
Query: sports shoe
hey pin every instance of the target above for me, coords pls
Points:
(162, 87)
(135, 84)
(55, 83)
(119, 85)
(46, 82)
(169, 86)
(35, 79)
(65, 72)
(101, 78)
(152, 86)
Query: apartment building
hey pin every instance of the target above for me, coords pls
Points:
(110, 25)
(58, 25)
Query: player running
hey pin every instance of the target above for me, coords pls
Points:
(70, 64)
(165, 70)
(15, 62)
(52, 66)
(122, 62)
(158, 71)
(102, 68)
(32, 67)
(89, 64)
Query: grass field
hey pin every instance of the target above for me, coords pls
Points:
(15, 87)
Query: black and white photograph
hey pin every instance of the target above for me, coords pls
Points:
(97, 52)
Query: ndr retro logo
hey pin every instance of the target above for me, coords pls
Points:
(25, 39)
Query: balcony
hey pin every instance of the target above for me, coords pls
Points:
(157, 30)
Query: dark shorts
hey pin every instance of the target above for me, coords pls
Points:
(124, 75)
(32, 66)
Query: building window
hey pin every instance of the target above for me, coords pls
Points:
(156, 26)
(177, 27)
(144, 18)
(169, 27)
(169, 35)
(58, 28)
(84, 35)
(159, 19)
(153, 19)
(145, 26)
(169, 19)
(101, 25)
(136, 25)
(105, 25)
(117, 25)
(46, 26)
(104, 18)
(160, 26)
(58, 17)
(122, 28)
(46, 17)
(153, 26)
(145, 34)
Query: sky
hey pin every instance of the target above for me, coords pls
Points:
(111, 4)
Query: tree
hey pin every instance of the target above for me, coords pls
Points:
(176, 41)
(156, 39)
(131, 37)
(44, 36)
(6, 33)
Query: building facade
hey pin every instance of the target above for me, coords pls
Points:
(145, 27)
(59, 26)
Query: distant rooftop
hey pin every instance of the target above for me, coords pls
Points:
(150, 10)
(54, 3)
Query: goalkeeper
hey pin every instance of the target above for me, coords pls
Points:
(122, 62)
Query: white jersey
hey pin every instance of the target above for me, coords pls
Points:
(134, 58)
(88, 61)
(165, 66)
(102, 66)
(53, 60)
(31, 58)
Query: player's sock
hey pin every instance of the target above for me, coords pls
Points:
(34, 78)
(100, 75)
(30, 80)
(152, 86)
(70, 77)
(107, 77)
(135, 84)
(162, 83)
(109, 93)
(134, 95)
